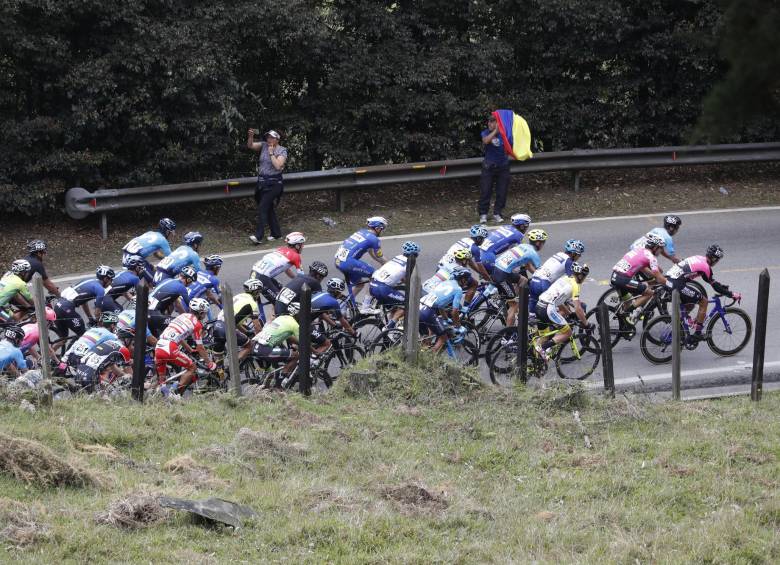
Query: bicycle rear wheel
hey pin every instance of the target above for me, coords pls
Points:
(617, 328)
(578, 358)
(339, 359)
(656, 341)
(388, 339)
(368, 330)
(488, 321)
(728, 334)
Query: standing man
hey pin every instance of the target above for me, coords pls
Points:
(37, 249)
(495, 171)
(269, 183)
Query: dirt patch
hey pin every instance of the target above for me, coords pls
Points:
(192, 473)
(414, 497)
(21, 524)
(35, 464)
(258, 445)
(339, 499)
(136, 510)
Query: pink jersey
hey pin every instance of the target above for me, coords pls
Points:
(691, 268)
(181, 327)
(636, 260)
(30, 336)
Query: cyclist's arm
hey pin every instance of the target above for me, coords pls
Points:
(347, 326)
(88, 311)
(202, 352)
(21, 302)
(12, 370)
(673, 258)
(160, 254)
(530, 268)
(151, 340)
(376, 254)
(580, 312)
(479, 268)
(328, 319)
(179, 306)
(657, 275)
(51, 287)
(213, 298)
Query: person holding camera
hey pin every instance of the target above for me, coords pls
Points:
(269, 183)
(495, 171)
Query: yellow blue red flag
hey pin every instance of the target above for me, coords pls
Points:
(515, 134)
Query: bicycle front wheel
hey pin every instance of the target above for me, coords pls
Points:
(578, 358)
(368, 330)
(656, 341)
(386, 340)
(729, 333)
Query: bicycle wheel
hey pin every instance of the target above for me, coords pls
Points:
(729, 333)
(337, 360)
(488, 321)
(497, 341)
(611, 297)
(503, 361)
(368, 330)
(578, 358)
(618, 329)
(251, 372)
(656, 341)
(387, 339)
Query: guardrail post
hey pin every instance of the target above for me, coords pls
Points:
(606, 348)
(104, 225)
(341, 203)
(231, 341)
(522, 332)
(139, 351)
(759, 341)
(676, 344)
(575, 180)
(304, 341)
(412, 318)
(43, 333)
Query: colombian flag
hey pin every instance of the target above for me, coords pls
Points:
(515, 134)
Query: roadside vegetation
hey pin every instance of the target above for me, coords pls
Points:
(396, 465)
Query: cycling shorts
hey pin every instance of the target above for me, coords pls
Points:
(168, 353)
(430, 321)
(505, 283)
(270, 354)
(67, 318)
(689, 294)
(220, 337)
(318, 337)
(158, 322)
(549, 314)
(536, 288)
(386, 294)
(622, 281)
(355, 270)
(109, 304)
(271, 287)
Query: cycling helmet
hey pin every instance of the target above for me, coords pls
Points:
(20, 266)
(14, 334)
(574, 246)
(189, 272)
(462, 254)
(520, 219)
(167, 225)
(213, 261)
(460, 273)
(377, 222)
(134, 261)
(580, 269)
(192, 238)
(104, 271)
(715, 251)
(672, 221)
(654, 240)
(125, 353)
(294, 238)
(478, 230)
(109, 318)
(36, 246)
(337, 284)
(318, 268)
(51, 315)
(537, 235)
(253, 285)
(199, 305)
(293, 308)
(125, 333)
(410, 248)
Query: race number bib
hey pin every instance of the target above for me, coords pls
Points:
(166, 263)
(92, 361)
(70, 294)
(505, 260)
(79, 349)
(342, 254)
(133, 248)
(429, 300)
(675, 272)
(622, 266)
(153, 302)
(285, 296)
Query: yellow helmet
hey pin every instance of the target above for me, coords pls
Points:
(462, 254)
(537, 235)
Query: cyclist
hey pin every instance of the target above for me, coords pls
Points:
(104, 330)
(11, 357)
(183, 256)
(170, 294)
(81, 295)
(672, 225)
(247, 314)
(502, 238)
(104, 359)
(638, 260)
(13, 288)
(275, 343)
(36, 250)
(123, 284)
(556, 303)
(477, 235)
(689, 269)
(444, 301)
(508, 271)
(387, 282)
(174, 338)
(154, 243)
(348, 256)
(326, 306)
(206, 284)
(286, 259)
(292, 290)
(552, 269)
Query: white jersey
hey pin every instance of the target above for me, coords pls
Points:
(561, 291)
(553, 268)
(272, 264)
(443, 274)
(392, 272)
(448, 258)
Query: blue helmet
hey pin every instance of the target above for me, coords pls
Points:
(167, 225)
(520, 219)
(133, 261)
(213, 261)
(460, 273)
(193, 238)
(410, 248)
(189, 272)
(377, 222)
(574, 246)
(478, 230)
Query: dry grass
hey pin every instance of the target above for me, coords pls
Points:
(136, 510)
(20, 524)
(34, 464)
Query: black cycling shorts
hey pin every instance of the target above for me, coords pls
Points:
(621, 281)
(220, 337)
(506, 282)
(67, 318)
(270, 354)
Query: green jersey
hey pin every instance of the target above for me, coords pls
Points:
(10, 286)
(277, 332)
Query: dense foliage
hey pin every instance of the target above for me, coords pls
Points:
(97, 93)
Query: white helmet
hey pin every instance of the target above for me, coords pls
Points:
(294, 238)
(199, 305)
(377, 222)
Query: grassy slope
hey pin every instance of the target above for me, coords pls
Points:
(511, 478)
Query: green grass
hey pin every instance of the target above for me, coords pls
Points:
(508, 472)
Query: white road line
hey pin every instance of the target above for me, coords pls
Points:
(464, 230)
(691, 373)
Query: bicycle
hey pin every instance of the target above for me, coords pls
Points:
(487, 311)
(726, 338)
(619, 327)
(463, 347)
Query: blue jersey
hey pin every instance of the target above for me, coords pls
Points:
(146, 244)
(127, 322)
(357, 244)
(84, 291)
(446, 294)
(663, 234)
(122, 283)
(501, 239)
(166, 293)
(494, 151)
(183, 255)
(324, 303)
(206, 281)
(517, 257)
(9, 353)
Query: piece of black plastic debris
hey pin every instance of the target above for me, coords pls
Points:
(214, 509)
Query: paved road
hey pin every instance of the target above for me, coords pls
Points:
(749, 237)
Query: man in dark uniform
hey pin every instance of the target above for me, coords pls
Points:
(37, 249)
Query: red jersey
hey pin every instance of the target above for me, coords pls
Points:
(182, 327)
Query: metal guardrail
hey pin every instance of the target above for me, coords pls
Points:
(79, 203)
